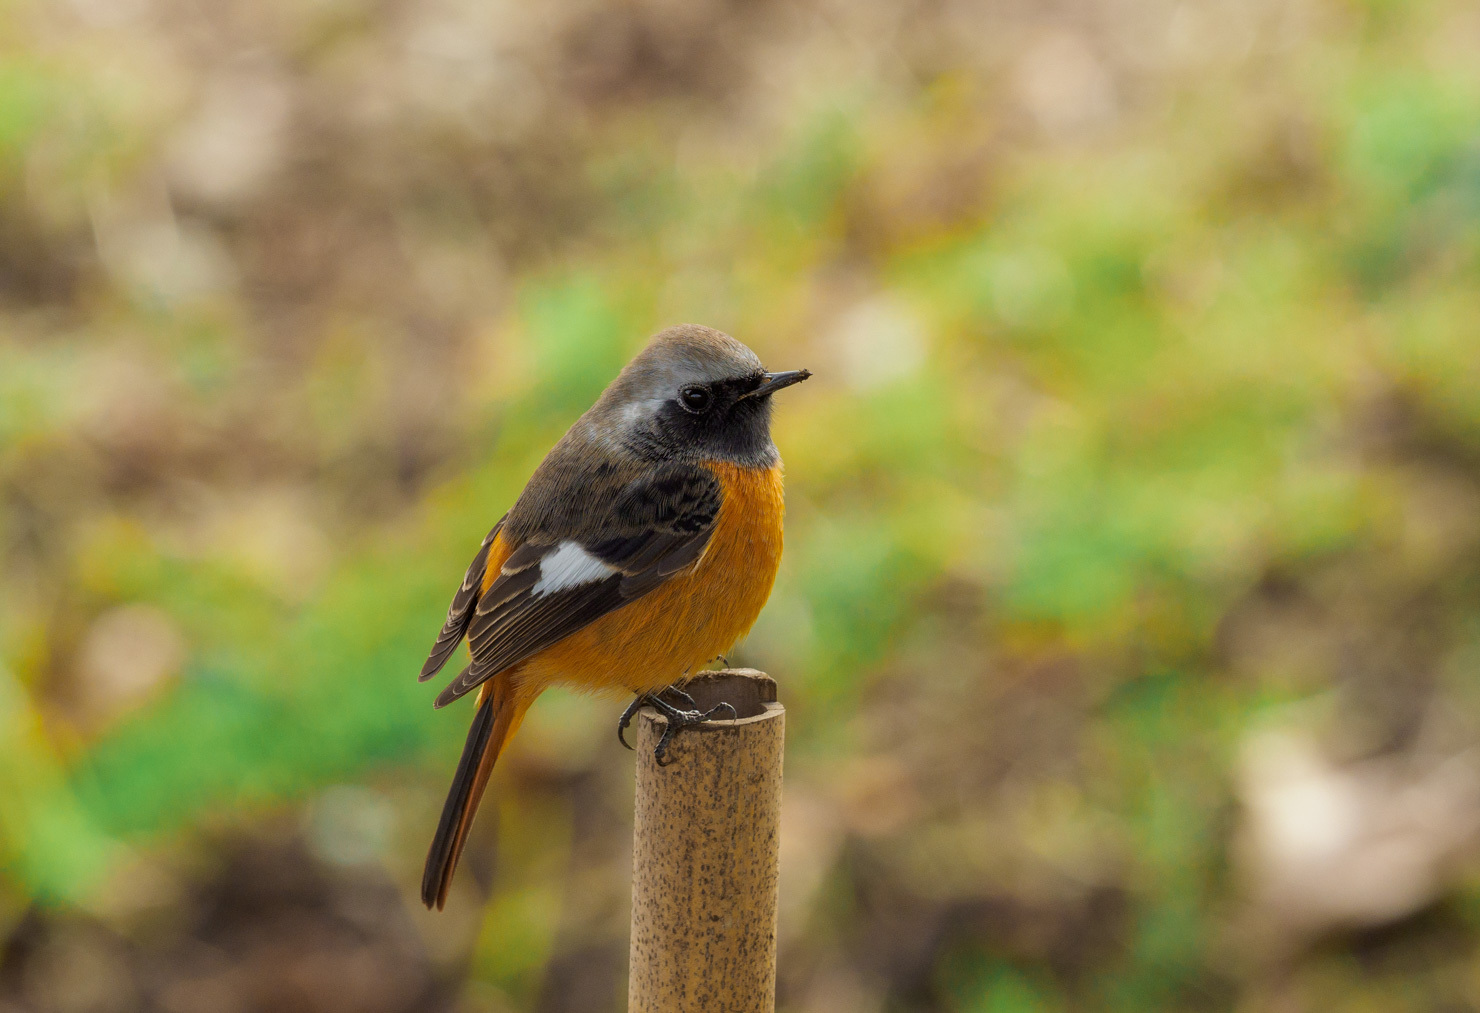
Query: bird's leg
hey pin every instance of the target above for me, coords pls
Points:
(676, 718)
(674, 691)
(642, 699)
(650, 699)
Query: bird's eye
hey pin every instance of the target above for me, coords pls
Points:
(695, 399)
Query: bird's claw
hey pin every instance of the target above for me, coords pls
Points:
(675, 718)
(651, 699)
(626, 718)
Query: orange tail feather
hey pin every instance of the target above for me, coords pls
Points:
(498, 715)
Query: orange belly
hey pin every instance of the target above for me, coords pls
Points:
(672, 632)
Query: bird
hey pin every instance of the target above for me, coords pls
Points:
(644, 546)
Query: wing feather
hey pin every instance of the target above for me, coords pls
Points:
(656, 527)
(460, 613)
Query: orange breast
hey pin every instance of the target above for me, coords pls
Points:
(694, 617)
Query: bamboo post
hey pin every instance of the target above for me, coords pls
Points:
(704, 854)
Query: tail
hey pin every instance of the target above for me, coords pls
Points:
(498, 715)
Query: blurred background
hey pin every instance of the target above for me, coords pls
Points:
(1130, 618)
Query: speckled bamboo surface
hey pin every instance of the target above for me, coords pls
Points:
(704, 856)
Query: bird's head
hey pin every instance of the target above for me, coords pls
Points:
(694, 394)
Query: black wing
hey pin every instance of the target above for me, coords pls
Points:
(460, 614)
(552, 586)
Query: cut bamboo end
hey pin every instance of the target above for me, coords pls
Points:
(704, 856)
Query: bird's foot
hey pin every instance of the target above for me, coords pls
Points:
(677, 718)
(645, 699)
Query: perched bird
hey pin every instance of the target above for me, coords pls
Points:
(644, 546)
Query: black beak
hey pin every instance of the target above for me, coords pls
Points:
(772, 382)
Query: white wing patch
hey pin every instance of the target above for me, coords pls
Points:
(568, 566)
